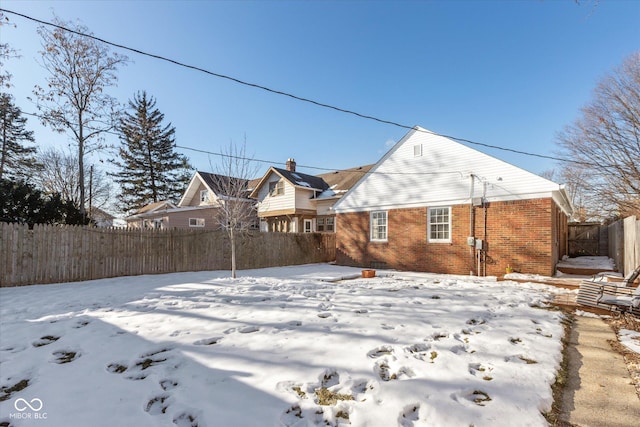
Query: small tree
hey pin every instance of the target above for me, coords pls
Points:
(236, 213)
(150, 169)
(16, 159)
(75, 99)
(606, 142)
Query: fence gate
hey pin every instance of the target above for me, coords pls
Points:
(587, 239)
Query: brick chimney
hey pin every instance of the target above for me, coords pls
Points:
(291, 165)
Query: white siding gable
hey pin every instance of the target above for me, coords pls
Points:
(191, 196)
(268, 202)
(424, 169)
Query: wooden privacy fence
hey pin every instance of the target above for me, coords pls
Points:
(54, 254)
(587, 239)
(624, 243)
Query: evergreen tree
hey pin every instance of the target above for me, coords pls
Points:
(24, 204)
(150, 169)
(17, 161)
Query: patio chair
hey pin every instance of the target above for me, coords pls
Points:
(611, 296)
(625, 303)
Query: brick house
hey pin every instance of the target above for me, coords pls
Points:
(196, 208)
(432, 204)
(294, 202)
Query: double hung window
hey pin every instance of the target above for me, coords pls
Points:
(439, 223)
(378, 226)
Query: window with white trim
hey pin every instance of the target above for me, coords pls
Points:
(196, 222)
(276, 188)
(331, 221)
(439, 225)
(325, 224)
(417, 150)
(308, 226)
(204, 196)
(379, 226)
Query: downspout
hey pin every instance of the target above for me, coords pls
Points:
(471, 223)
(484, 234)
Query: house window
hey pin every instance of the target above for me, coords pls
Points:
(196, 222)
(276, 188)
(157, 223)
(439, 223)
(204, 196)
(417, 150)
(308, 226)
(330, 224)
(325, 224)
(379, 226)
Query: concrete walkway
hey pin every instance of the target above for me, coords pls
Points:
(599, 392)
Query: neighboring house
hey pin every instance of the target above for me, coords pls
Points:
(432, 204)
(101, 218)
(153, 215)
(291, 201)
(196, 208)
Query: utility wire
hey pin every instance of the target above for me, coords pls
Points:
(289, 95)
(270, 162)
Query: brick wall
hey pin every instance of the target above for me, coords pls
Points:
(523, 234)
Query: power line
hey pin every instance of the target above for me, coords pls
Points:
(270, 162)
(295, 97)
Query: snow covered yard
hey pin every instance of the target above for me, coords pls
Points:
(278, 347)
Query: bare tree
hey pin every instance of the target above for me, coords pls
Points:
(6, 52)
(605, 141)
(74, 100)
(235, 213)
(59, 174)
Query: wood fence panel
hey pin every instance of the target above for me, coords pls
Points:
(55, 254)
(616, 244)
(584, 239)
(631, 236)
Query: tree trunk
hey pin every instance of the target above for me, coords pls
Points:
(232, 237)
(81, 165)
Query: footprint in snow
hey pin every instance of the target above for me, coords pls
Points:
(386, 373)
(477, 396)
(481, 370)
(46, 340)
(384, 350)
(329, 378)
(81, 324)
(409, 414)
(65, 356)
(208, 341)
(419, 351)
(249, 329)
(185, 419)
(168, 384)
(157, 405)
(136, 370)
(13, 349)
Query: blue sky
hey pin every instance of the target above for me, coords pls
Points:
(509, 74)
